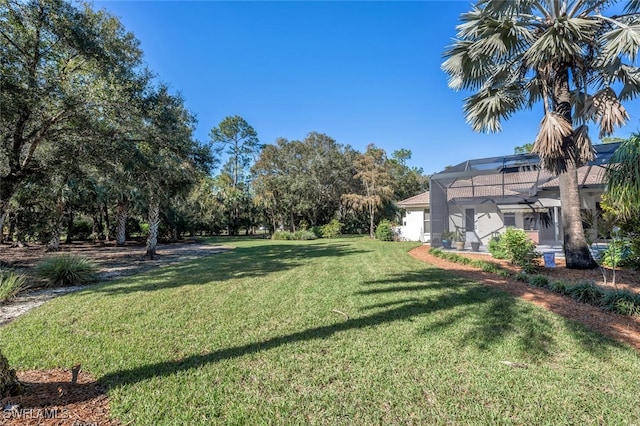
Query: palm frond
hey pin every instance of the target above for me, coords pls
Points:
(553, 45)
(622, 41)
(607, 111)
(623, 177)
(554, 128)
(466, 71)
(584, 151)
(633, 6)
(489, 106)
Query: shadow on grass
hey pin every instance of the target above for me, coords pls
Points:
(238, 263)
(485, 316)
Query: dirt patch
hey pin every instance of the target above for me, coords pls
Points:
(623, 328)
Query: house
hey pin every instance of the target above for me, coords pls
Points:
(485, 196)
(416, 224)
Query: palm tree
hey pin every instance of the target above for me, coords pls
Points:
(568, 55)
(624, 178)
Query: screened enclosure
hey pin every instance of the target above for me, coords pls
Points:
(479, 198)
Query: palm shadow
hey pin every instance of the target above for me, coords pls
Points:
(493, 316)
(242, 262)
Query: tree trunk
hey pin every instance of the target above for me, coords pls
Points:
(154, 222)
(106, 221)
(9, 384)
(371, 221)
(3, 216)
(576, 249)
(121, 223)
(69, 238)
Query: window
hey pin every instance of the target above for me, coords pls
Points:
(509, 219)
(427, 222)
(531, 221)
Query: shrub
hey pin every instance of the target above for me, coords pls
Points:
(587, 292)
(497, 250)
(298, 235)
(384, 231)
(538, 280)
(559, 286)
(331, 229)
(10, 284)
(618, 253)
(282, 235)
(304, 235)
(503, 273)
(517, 248)
(67, 269)
(622, 302)
(522, 276)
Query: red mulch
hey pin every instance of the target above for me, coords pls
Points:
(623, 328)
(49, 399)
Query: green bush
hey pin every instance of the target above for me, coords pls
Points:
(618, 253)
(384, 231)
(559, 286)
(304, 235)
(10, 284)
(522, 276)
(517, 248)
(331, 229)
(497, 250)
(282, 235)
(621, 302)
(538, 280)
(68, 269)
(298, 235)
(587, 292)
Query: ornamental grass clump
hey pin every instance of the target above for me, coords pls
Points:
(587, 292)
(68, 270)
(622, 302)
(10, 284)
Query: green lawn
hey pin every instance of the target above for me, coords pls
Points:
(257, 336)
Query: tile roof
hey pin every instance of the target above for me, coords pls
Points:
(417, 200)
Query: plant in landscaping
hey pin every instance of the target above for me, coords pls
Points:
(515, 246)
(68, 269)
(621, 302)
(282, 235)
(331, 229)
(304, 235)
(559, 286)
(586, 292)
(538, 280)
(384, 231)
(497, 250)
(10, 284)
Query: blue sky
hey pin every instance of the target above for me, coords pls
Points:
(361, 72)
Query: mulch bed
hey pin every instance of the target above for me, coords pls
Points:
(623, 328)
(49, 399)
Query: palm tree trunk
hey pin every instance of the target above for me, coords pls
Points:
(576, 249)
(9, 384)
(121, 223)
(154, 222)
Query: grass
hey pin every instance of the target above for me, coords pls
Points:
(10, 284)
(68, 270)
(346, 331)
